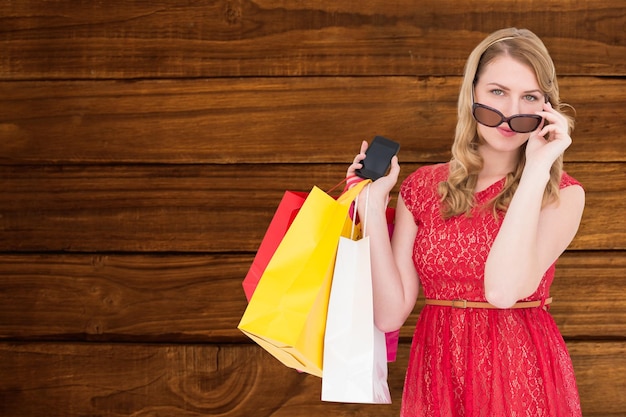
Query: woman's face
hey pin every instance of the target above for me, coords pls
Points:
(511, 88)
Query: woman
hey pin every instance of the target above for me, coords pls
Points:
(481, 234)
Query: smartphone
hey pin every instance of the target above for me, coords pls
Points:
(378, 158)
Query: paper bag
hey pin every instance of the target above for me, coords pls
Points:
(355, 354)
(287, 312)
(286, 212)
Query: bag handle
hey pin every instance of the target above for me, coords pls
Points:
(356, 203)
(367, 202)
(350, 182)
(350, 195)
(334, 187)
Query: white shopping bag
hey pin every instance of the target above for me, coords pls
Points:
(355, 351)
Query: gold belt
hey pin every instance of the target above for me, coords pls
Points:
(480, 304)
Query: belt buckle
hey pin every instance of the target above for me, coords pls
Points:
(459, 303)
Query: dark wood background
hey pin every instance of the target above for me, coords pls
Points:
(145, 145)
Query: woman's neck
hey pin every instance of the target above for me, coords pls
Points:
(497, 164)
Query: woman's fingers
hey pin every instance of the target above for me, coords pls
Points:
(356, 162)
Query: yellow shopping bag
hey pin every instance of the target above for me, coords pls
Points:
(287, 312)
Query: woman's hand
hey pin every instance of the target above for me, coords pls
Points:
(379, 189)
(548, 143)
(356, 163)
(395, 284)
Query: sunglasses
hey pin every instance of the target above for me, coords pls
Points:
(490, 117)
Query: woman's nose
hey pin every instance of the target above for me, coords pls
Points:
(511, 108)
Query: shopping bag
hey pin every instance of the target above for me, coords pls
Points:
(287, 312)
(288, 207)
(287, 210)
(391, 338)
(355, 354)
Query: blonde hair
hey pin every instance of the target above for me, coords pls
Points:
(457, 192)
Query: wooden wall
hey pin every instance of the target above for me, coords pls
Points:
(145, 144)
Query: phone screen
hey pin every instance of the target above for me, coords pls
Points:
(378, 158)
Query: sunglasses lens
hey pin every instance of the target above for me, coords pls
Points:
(492, 118)
(524, 124)
(487, 116)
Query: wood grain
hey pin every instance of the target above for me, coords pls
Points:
(73, 380)
(144, 147)
(168, 298)
(170, 39)
(266, 120)
(209, 208)
(199, 299)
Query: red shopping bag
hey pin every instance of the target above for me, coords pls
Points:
(287, 209)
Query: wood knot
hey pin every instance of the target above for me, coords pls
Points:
(99, 261)
(232, 13)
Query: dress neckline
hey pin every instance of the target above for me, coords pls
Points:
(497, 186)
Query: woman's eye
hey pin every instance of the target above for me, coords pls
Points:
(497, 92)
(531, 98)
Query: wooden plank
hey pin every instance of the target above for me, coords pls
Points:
(206, 208)
(587, 294)
(199, 299)
(174, 380)
(174, 298)
(266, 120)
(603, 203)
(231, 381)
(599, 396)
(167, 38)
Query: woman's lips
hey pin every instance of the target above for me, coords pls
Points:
(505, 132)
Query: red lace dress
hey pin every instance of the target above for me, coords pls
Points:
(477, 362)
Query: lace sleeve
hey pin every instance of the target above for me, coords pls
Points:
(567, 180)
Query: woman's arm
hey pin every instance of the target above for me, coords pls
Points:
(394, 279)
(529, 242)
(531, 237)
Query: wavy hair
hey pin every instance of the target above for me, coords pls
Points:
(457, 192)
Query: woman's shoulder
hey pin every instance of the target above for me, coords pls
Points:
(428, 174)
(567, 180)
(421, 184)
